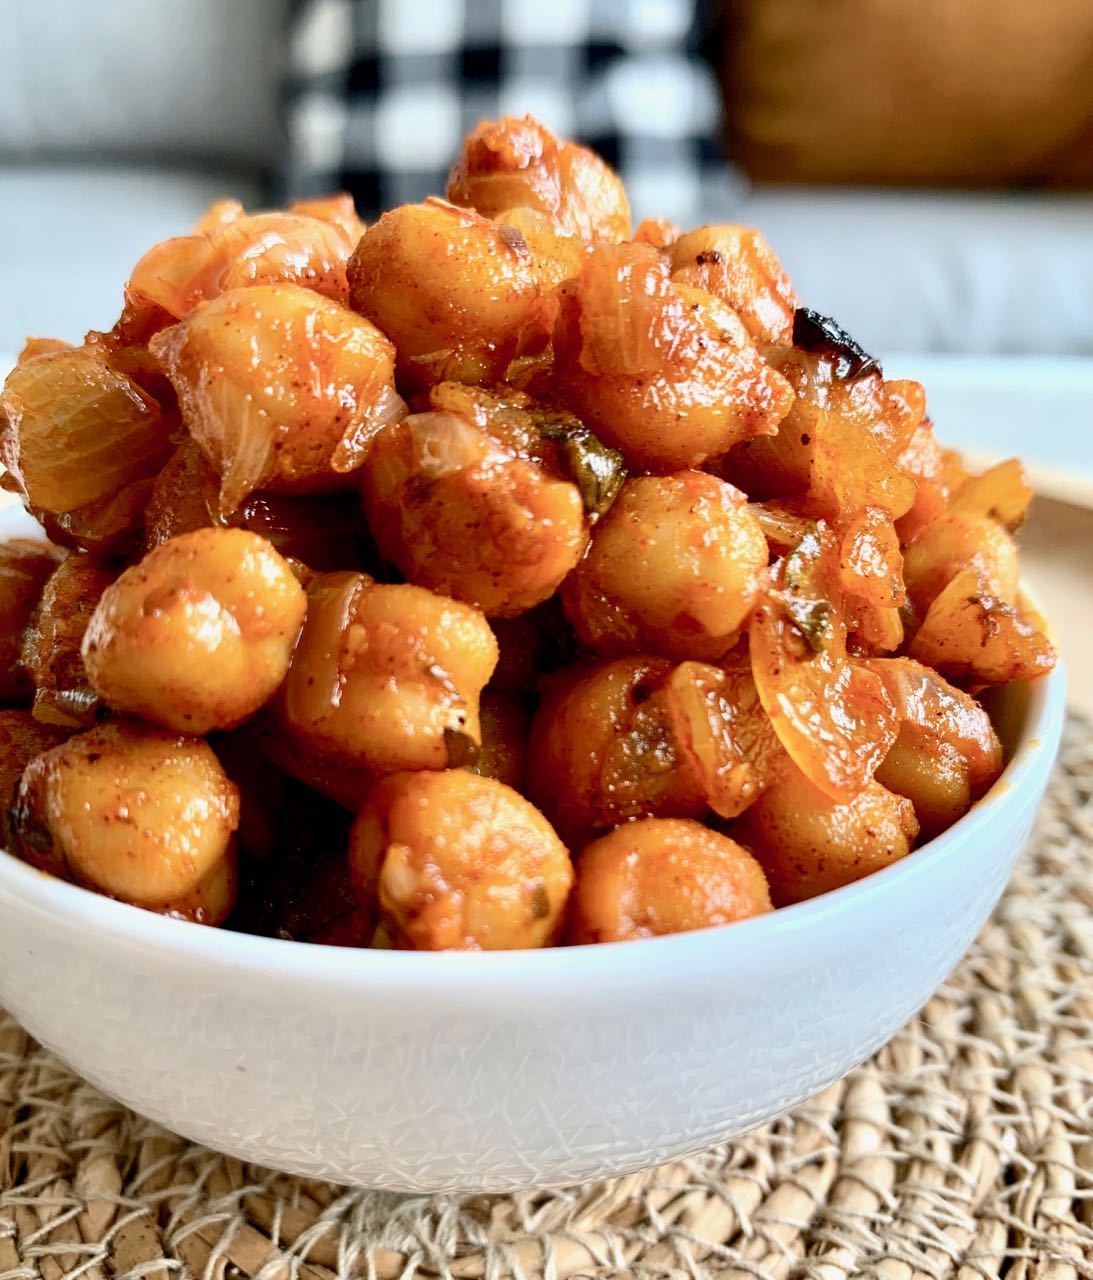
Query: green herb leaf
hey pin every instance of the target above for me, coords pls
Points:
(810, 617)
(596, 469)
(462, 748)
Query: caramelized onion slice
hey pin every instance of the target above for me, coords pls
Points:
(832, 715)
(1003, 493)
(77, 431)
(724, 732)
(970, 635)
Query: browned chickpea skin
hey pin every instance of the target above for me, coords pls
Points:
(199, 634)
(518, 163)
(468, 508)
(25, 566)
(281, 388)
(664, 373)
(947, 752)
(21, 739)
(809, 844)
(737, 265)
(604, 748)
(387, 677)
(674, 568)
(212, 900)
(506, 724)
(454, 861)
(556, 256)
(956, 541)
(663, 875)
(51, 644)
(128, 809)
(451, 290)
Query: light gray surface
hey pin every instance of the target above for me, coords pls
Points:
(939, 271)
(70, 235)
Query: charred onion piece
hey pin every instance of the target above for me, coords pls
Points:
(822, 336)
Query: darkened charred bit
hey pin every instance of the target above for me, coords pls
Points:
(513, 238)
(823, 337)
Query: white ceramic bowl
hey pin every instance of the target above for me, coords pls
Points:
(459, 1072)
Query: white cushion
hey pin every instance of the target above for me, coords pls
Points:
(181, 77)
(938, 271)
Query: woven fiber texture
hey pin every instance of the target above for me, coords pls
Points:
(963, 1149)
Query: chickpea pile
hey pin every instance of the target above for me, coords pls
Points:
(492, 576)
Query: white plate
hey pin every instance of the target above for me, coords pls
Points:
(1030, 407)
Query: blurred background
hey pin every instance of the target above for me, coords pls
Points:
(924, 171)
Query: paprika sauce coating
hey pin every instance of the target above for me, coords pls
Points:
(674, 568)
(666, 374)
(136, 812)
(451, 290)
(198, 635)
(387, 677)
(535, 578)
(663, 875)
(453, 861)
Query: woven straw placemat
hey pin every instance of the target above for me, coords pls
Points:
(964, 1149)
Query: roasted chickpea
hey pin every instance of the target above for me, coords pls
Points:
(199, 634)
(131, 810)
(506, 724)
(387, 677)
(518, 164)
(459, 512)
(280, 388)
(664, 373)
(947, 752)
(21, 739)
(556, 256)
(211, 901)
(956, 541)
(604, 748)
(449, 288)
(808, 844)
(737, 265)
(458, 862)
(25, 567)
(51, 644)
(932, 776)
(663, 875)
(837, 448)
(674, 568)
(971, 634)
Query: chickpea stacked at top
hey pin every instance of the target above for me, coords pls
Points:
(492, 576)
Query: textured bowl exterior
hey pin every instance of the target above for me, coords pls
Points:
(500, 1071)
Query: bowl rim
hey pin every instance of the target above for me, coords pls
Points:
(124, 924)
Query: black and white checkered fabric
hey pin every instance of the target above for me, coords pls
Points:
(382, 92)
